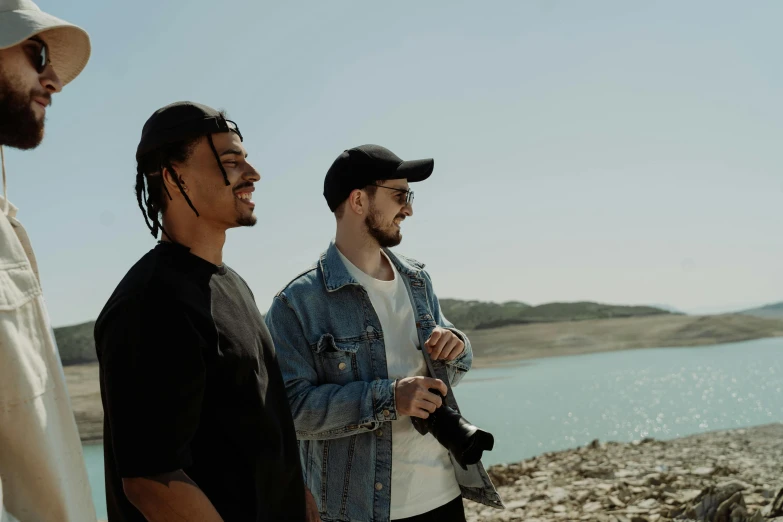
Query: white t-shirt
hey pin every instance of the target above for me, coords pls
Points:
(422, 474)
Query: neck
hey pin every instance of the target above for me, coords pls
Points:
(363, 251)
(203, 241)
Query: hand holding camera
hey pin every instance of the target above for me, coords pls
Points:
(422, 397)
(414, 398)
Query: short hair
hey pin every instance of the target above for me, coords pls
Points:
(339, 212)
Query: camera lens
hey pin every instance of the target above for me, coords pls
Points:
(465, 442)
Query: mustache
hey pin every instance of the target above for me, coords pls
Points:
(243, 185)
(46, 95)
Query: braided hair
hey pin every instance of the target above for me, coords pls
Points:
(151, 192)
(151, 186)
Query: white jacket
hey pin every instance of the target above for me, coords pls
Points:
(42, 471)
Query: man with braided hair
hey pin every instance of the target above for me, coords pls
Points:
(197, 424)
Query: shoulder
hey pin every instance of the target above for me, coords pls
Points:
(232, 275)
(150, 287)
(413, 268)
(406, 261)
(305, 281)
(407, 265)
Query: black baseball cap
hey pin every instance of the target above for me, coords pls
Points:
(181, 121)
(364, 165)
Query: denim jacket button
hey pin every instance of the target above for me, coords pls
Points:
(386, 413)
(341, 366)
(370, 329)
(378, 486)
(379, 433)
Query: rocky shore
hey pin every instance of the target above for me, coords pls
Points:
(729, 476)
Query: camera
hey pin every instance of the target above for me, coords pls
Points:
(465, 442)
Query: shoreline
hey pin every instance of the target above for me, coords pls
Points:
(734, 472)
(515, 361)
(514, 346)
(518, 344)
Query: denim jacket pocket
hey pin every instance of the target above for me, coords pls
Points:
(337, 358)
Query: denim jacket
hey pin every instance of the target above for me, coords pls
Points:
(331, 352)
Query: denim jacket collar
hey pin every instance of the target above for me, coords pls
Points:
(336, 275)
(405, 265)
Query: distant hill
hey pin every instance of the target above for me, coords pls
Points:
(469, 315)
(76, 343)
(77, 346)
(771, 311)
(668, 308)
(514, 343)
(477, 315)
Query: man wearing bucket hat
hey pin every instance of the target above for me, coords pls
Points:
(42, 471)
(197, 424)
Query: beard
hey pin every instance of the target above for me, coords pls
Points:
(244, 220)
(247, 221)
(387, 236)
(20, 128)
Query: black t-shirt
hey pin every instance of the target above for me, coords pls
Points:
(189, 380)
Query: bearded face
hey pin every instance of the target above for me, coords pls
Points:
(385, 231)
(25, 93)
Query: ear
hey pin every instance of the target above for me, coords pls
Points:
(170, 182)
(358, 202)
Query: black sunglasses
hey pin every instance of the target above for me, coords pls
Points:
(408, 193)
(42, 60)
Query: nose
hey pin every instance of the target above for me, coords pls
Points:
(50, 81)
(408, 209)
(251, 174)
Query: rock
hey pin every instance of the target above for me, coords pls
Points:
(516, 504)
(732, 509)
(591, 507)
(689, 494)
(581, 496)
(616, 502)
(648, 504)
(725, 504)
(727, 476)
(776, 508)
(558, 495)
(745, 485)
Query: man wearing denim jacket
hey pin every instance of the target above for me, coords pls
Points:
(348, 333)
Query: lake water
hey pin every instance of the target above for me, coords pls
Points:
(563, 402)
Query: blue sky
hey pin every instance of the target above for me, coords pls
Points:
(624, 152)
